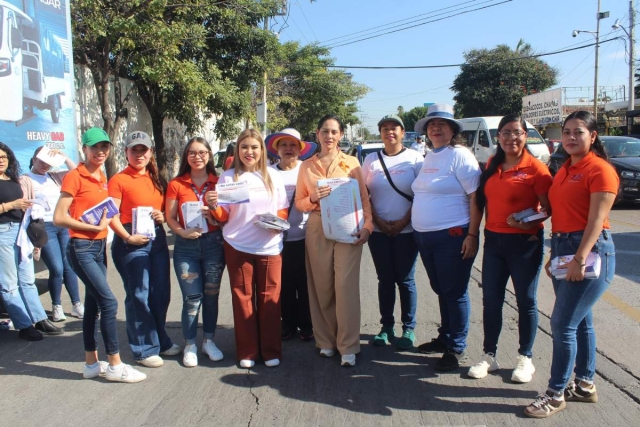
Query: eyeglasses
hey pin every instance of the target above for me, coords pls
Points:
(201, 154)
(4, 158)
(509, 134)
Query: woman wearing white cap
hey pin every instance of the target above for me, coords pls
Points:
(142, 259)
(389, 175)
(446, 223)
(288, 146)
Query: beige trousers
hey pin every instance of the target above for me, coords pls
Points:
(333, 278)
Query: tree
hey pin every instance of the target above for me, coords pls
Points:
(302, 89)
(411, 117)
(493, 82)
(400, 110)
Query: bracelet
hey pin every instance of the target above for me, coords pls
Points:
(472, 235)
(127, 239)
(581, 265)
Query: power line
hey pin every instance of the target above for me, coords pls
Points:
(414, 67)
(305, 18)
(419, 25)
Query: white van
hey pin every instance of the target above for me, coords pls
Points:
(480, 134)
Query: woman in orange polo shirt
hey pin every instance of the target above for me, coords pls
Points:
(513, 181)
(141, 256)
(581, 196)
(82, 189)
(198, 254)
(333, 268)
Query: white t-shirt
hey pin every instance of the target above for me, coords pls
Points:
(239, 231)
(441, 189)
(297, 219)
(44, 186)
(420, 148)
(404, 167)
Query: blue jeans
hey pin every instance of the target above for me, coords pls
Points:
(518, 256)
(199, 264)
(574, 338)
(89, 261)
(449, 277)
(54, 255)
(145, 275)
(17, 281)
(395, 261)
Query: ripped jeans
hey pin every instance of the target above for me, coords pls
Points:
(199, 264)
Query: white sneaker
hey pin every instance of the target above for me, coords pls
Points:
(327, 352)
(124, 373)
(98, 369)
(209, 348)
(272, 363)
(487, 363)
(173, 351)
(523, 373)
(247, 364)
(348, 360)
(152, 362)
(77, 310)
(57, 314)
(190, 358)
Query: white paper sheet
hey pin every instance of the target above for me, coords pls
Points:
(143, 223)
(54, 161)
(233, 192)
(341, 210)
(193, 218)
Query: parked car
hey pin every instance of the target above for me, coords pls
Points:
(409, 138)
(362, 151)
(624, 155)
(344, 145)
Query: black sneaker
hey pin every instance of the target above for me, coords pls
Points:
(30, 334)
(287, 333)
(48, 328)
(449, 361)
(575, 393)
(435, 346)
(306, 334)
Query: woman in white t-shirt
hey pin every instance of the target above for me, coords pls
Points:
(288, 147)
(446, 223)
(43, 184)
(388, 175)
(253, 253)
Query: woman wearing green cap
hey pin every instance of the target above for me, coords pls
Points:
(82, 189)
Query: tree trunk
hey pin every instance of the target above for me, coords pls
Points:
(157, 121)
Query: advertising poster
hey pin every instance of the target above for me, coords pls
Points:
(36, 78)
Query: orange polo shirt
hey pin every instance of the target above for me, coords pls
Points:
(87, 192)
(570, 193)
(180, 189)
(515, 190)
(342, 166)
(134, 189)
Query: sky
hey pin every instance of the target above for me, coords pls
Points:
(545, 24)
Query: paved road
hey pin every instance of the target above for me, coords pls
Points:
(41, 382)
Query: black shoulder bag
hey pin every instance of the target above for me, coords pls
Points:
(386, 172)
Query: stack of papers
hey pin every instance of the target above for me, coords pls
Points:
(341, 210)
(529, 215)
(94, 214)
(54, 161)
(192, 215)
(142, 222)
(591, 271)
(271, 222)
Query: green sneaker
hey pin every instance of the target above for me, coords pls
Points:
(407, 340)
(384, 336)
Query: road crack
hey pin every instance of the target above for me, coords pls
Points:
(255, 396)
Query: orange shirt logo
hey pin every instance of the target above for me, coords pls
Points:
(576, 177)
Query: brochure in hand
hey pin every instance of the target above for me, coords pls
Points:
(529, 215)
(192, 215)
(271, 222)
(94, 214)
(342, 214)
(142, 222)
(591, 270)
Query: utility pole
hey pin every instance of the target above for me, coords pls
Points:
(632, 66)
(264, 88)
(595, 79)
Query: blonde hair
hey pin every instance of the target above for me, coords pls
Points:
(262, 162)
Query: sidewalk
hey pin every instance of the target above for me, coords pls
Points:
(41, 382)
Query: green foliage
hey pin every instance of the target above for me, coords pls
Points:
(491, 83)
(409, 118)
(301, 89)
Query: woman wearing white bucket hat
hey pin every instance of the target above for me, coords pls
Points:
(288, 146)
(446, 223)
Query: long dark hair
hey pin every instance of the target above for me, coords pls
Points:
(497, 159)
(13, 167)
(331, 117)
(184, 162)
(592, 125)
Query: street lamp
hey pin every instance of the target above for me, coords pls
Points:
(596, 35)
(629, 34)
